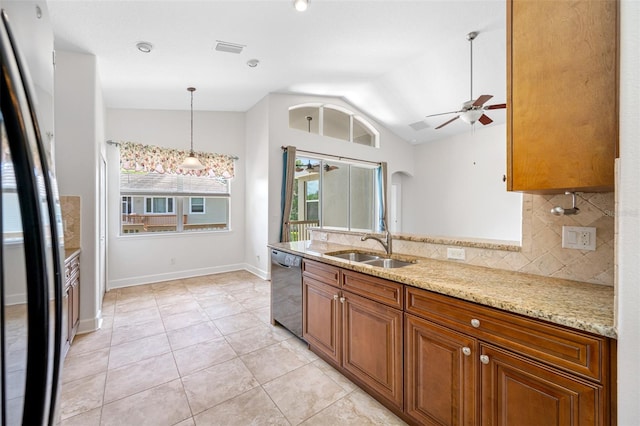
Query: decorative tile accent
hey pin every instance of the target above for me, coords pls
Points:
(541, 251)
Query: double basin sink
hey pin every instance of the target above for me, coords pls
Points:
(371, 259)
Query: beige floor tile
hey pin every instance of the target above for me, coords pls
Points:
(188, 336)
(187, 422)
(256, 302)
(140, 302)
(139, 376)
(303, 348)
(168, 299)
(251, 293)
(304, 392)
(209, 300)
(234, 323)
(273, 361)
(342, 381)
(107, 322)
(224, 310)
(204, 289)
(82, 395)
(263, 314)
(209, 387)
(249, 340)
(129, 332)
(85, 364)
(203, 355)
(162, 405)
(88, 418)
(137, 350)
(136, 317)
(184, 319)
(90, 342)
(177, 308)
(253, 407)
(357, 409)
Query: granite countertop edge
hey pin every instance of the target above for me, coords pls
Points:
(582, 306)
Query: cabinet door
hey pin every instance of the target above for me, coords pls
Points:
(321, 318)
(516, 391)
(441, 369)
(562, 79)
(74, 316)
(372, 341)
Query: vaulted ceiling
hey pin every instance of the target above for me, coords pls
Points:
(398, 61)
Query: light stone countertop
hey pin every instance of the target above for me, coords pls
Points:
(583, 306)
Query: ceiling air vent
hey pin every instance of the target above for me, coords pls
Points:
(224, 46)
(419, 125)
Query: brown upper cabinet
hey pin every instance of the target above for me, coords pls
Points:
(562, 95)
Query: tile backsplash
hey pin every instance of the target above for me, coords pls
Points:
(70, 206)
(541, 251)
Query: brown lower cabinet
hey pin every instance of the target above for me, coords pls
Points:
(358, 335)
(71, 298)
(437, 360)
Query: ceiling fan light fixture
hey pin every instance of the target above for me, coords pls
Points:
(471, 116)
(301, 5)
(191, 162)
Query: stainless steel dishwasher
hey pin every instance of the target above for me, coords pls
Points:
(286, 291)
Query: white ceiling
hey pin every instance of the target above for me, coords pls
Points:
(397, 61)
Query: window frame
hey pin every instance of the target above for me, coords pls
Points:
(168, 201)
(203, 205)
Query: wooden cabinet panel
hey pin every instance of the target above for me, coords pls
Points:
(72, 297)
(516, 391)
(372, 342)
(574, 351)
(321, 318)
(562, 84)
(383, 291)
(440, 374)
(324, 273)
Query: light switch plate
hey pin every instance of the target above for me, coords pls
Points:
(579, 237)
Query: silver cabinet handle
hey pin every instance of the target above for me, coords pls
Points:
(484, 359)
(475, 323)
(342, 299)
(466, 351)
(335, 297)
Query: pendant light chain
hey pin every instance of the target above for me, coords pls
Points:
(191, 89)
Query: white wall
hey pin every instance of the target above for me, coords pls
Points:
(139, 259)
(79, 124)
(457, 188)
(257, 192)
(628, 218)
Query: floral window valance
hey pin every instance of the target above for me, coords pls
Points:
(135, 157)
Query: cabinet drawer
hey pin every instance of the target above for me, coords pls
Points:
(378, 289)
(71, 268)
(570, 350)
(324, 273)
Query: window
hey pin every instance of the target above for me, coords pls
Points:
(333, 121)
(158, 205)
(158, 197)
(334, 194)
(196, 205)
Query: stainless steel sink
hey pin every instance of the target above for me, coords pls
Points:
(388, 263)
(355, 256)
(371, 259)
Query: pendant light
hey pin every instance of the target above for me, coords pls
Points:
(191, 162)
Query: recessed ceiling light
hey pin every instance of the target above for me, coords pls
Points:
(144, 46)
(253, 63)
(301, 5)
(224, 46)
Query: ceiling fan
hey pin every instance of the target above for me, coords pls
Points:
(472, 110)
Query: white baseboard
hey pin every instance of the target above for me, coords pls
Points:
(91, 324)
(257, 272)
(15, 299)
(149, 279)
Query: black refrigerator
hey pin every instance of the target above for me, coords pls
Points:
(31, 260)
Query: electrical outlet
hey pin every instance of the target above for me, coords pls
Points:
(579, 237)
(455, 253)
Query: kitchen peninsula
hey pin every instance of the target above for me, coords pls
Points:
(491, 343)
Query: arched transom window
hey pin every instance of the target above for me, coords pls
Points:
(333, 121)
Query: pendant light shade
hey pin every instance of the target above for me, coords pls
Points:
(191, 162)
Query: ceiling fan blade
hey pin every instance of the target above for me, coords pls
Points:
(496, 106)
(444, 113)
(447, 122)
(481, 100)
(484, 119)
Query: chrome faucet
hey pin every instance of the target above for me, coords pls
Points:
(386, 243)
